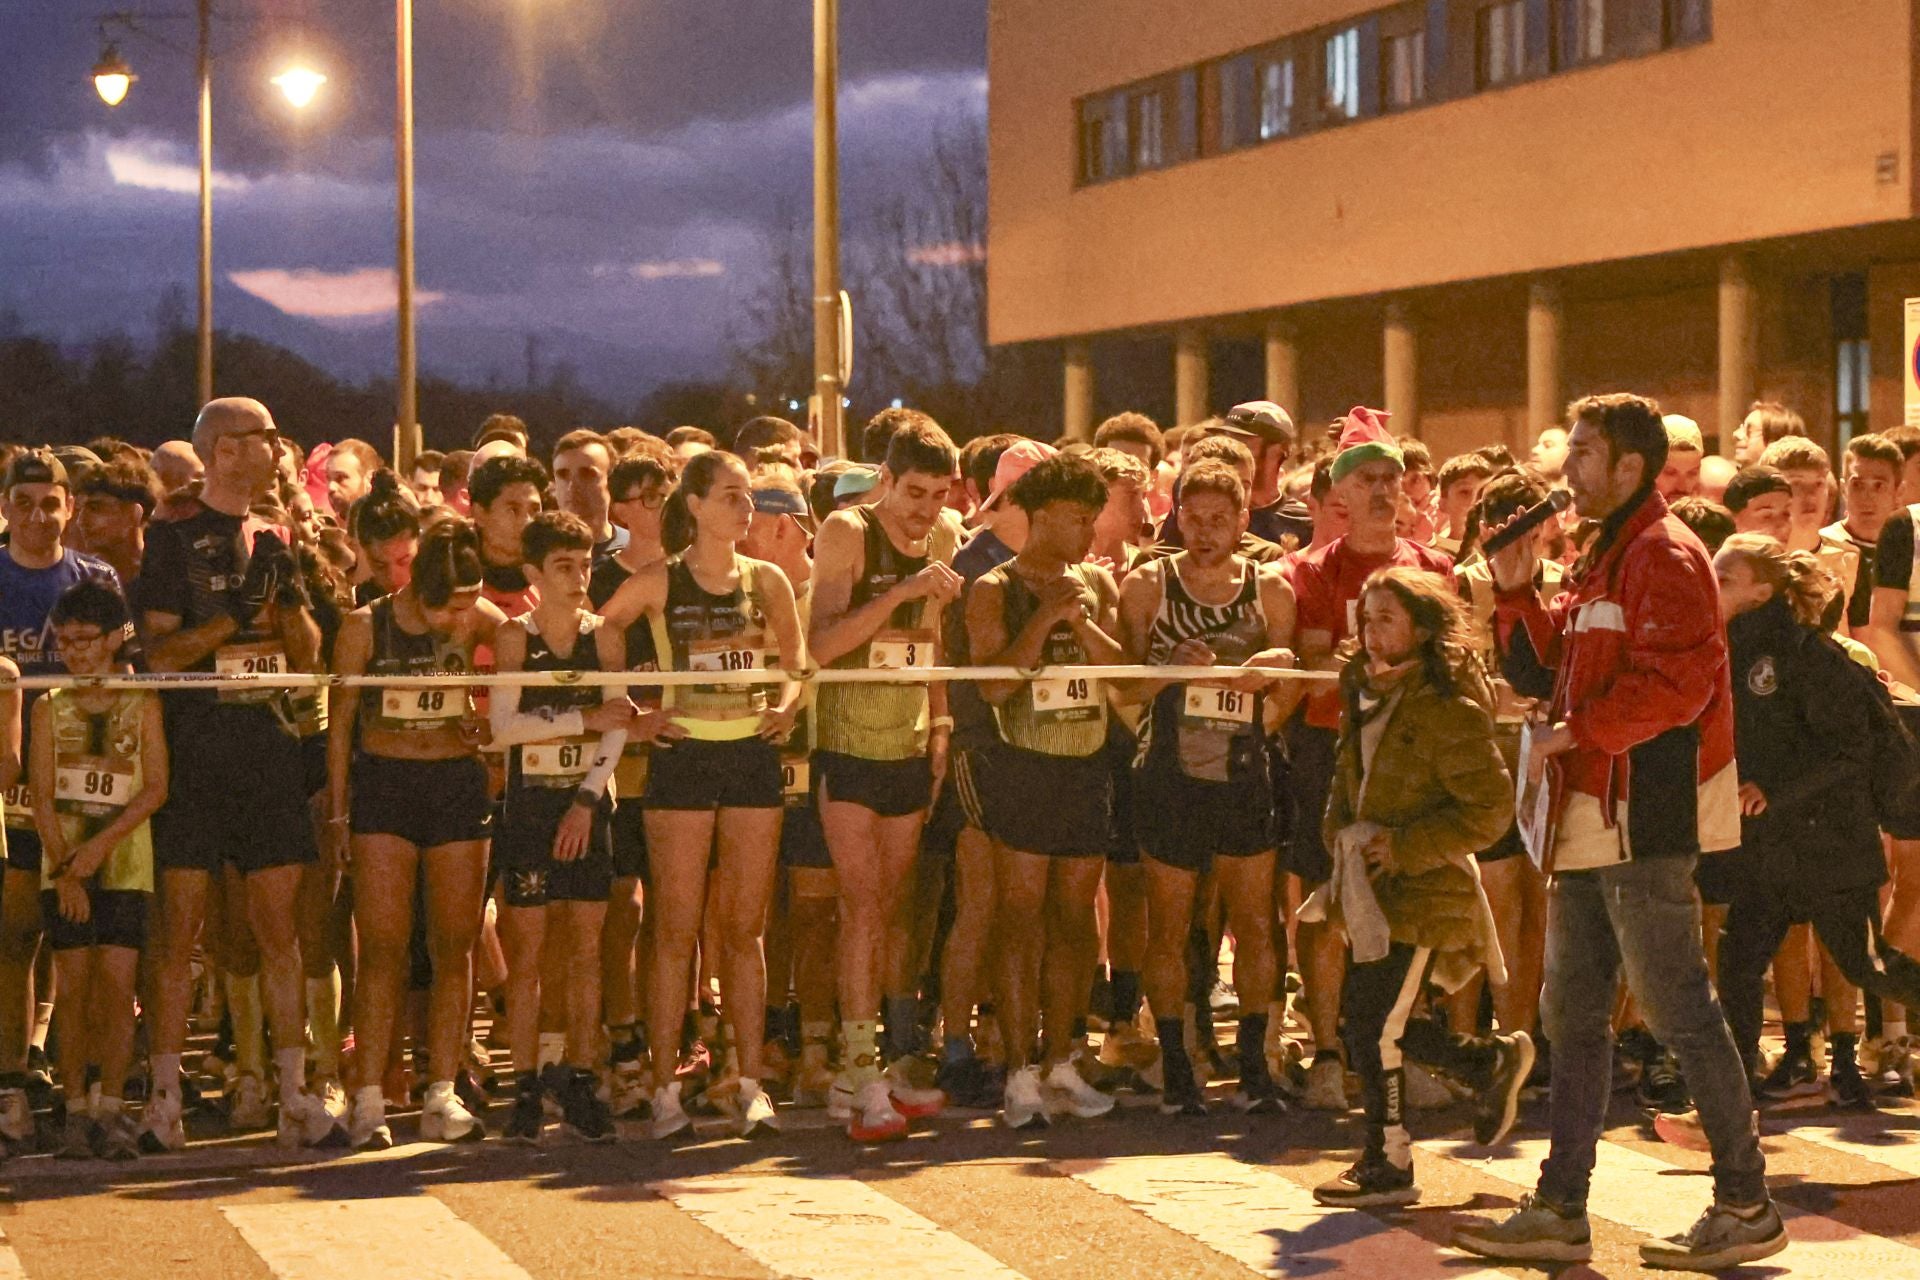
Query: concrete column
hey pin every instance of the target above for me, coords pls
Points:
(1739, 345)
(1190, 392)
(1402, 350)
(1546, 368)
(1078, 398)
(1283, 366)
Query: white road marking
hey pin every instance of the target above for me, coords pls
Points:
(415, 1236)
(10, 1268)
(828, 1229)
(1263, 1220)
(1863, 1138)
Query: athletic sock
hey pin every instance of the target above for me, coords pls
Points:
(1799, 1038)
(1251, 1041)
(42, 1021)
(166, 1073)
(291, 1066)
(862, 1061)
(900, 1013)
(249, 1027)
(323, 1024)
(1173, 1045)
(553, 1048)
(1126, 994)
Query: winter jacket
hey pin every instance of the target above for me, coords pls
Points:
(1633, 658)
(1438, 784)
(1804, 736)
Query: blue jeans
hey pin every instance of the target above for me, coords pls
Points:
(1642, 917)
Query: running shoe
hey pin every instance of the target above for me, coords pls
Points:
(1846, 1087)
(16, 1116)
(119, 1136)
(968, 1083)
(1426, 1091)
(77, 1136)
(1372, 1182)
(527, 1119)
(1725, 1236)
(875, 1118)
(39, 1068)
(913, 1097)
(1222, 997)
(445, 1116)
(367, 1125)
(1074, 1095)
(813, 1077)
(1326, 1084)
(1536, 1231)
(757, 1118)
(1893, 1066)
(1024, 1106)
(1661, 1087)
(1794, 1076)
(1497, 1106)
(161, 1127)
(582, 1111)
(306, 1122)
(554, 1078)
(247, 1105)
(627, 1089)
(332, 1097)
(1682, 1129)
(1180, 1093)
(670, 1119)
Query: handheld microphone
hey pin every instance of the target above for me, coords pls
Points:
(1527, 521)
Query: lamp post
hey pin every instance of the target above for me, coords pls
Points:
(829, 303)
(113, 79)
(406, 408)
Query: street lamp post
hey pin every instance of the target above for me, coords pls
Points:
(829, 372)
(406, 407)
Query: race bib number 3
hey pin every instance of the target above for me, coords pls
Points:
(422, 708)
(1218, 708)
(901, 651)
(264, 658)
(556, 764)
(1070, 699)
(92, 786)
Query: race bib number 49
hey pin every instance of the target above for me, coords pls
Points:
(1215, 708)
(1066, 700)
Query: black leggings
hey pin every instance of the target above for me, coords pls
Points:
(1381, 1033)
(1848, 926)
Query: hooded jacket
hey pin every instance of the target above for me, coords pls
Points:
(1632, 656)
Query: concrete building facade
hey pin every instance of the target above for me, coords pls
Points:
(1466, 210)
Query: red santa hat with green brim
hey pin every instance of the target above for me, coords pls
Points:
(1364, 439)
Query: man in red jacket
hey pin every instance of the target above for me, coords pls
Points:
(1632, 661)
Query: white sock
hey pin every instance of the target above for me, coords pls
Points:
(553, 1047)
(166, 1073)
(42, 1020)
(291, 1066)
(1892, 1028)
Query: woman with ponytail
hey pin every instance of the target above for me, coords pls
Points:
(385, 528)
(1804, 736)
(408, 802)
(714, 778)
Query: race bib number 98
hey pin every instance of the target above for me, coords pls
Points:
(92, 786)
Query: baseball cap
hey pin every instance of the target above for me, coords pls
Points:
(75, 457)
(1260, 419)
(1021, 457)
(855, 481)
(36, 466)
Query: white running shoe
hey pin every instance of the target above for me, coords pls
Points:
(875, 1118)
(627, 1089)
(161, 1127)
(445, 1118)
(367, 1129)
(757, 1119)
(1077, 1097)
(247, 1105)
(332, 1097)
(306, 1122)
(1326, 1085)
(16, 1116)
(911, 1099)
(1024, 1105)
(840, 1097)
(670, 1119)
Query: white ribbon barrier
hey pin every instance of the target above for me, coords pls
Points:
(176, 681)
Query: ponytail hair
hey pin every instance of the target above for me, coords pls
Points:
(696, 479)
(1795, 576)
(387, 511)
(448, 562)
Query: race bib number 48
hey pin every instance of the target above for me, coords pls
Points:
(422, 708)
(1218, 708)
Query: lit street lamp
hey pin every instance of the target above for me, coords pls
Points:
(113, 79)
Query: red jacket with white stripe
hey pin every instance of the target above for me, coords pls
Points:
(1633, 657)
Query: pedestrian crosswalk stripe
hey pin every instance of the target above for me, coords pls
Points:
(828, 1229)
(10, 1268)
(1264, 1221)
(1866, 1138)
(415, 1236)
(1651, 1196)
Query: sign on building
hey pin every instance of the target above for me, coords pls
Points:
(1911, 378)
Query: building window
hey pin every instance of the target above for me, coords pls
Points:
(1103, 137)
(1276, 98)
(1342, 98)
(1852, 364)
(1689, 21)
(1583, 31)
(1406, 70)
(1150, 125)
(1500, 43)
(1239, 122)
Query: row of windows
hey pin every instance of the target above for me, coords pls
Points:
(1391, 60)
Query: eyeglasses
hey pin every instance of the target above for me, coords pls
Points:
(651, 499)
(78, 640)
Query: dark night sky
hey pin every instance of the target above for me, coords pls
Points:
(601, 173)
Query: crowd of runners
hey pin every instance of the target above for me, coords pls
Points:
(1436, 804)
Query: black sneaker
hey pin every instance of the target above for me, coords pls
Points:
(1661, 1088)
(1497, 1106)
(1794, 1076)
(1846, 1087)
(1725, 1236)
(969, 1084)
(1372, 1181)
(527, 1118)
(1180, 1094)
(582, 1110)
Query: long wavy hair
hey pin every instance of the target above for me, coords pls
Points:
(1444, 628)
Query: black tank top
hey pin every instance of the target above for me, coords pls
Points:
(718, 632)
(399, 652)
(559, 762)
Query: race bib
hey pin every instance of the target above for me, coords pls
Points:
(19, 807)
(563, 763)
(796, 778)
(260, 658)
(1213, 708)
(731, 655)
(92, 786)
(423, 708)
(1067, 700)
(901, 651)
